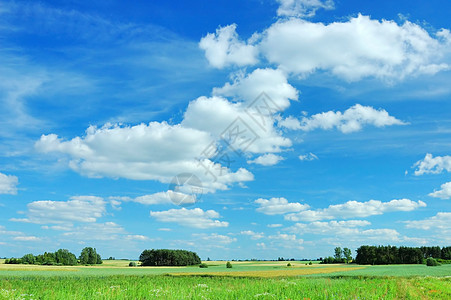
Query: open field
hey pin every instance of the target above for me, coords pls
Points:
(246, 280)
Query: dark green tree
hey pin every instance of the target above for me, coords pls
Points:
(347, 254)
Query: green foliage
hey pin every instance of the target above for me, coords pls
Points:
(347, 254)
(310, 263)
(132, 264)
(381, 255)
(167, 257)
(228, 265)
(338, 253)
(89, 256)
(430, 262)
(203, 265)
(288, 264)
(28, 259)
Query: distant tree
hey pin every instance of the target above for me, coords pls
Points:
(89, 256)
(347, 254)
(28, 259)
(132, 264)
(66, 258)
(338, 253)
(228, 265)
(166, 257)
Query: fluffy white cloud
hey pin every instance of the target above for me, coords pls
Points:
(354, 209)
(302, 8)
(444, 193)
(253, 235)
(355, 49)
(167, 197)
(272, 82)
(441, 221)
(230, 122)
(351, 120)
(196, 218)
(108, 231)
(308, 157)
(224, 48)
(214, 238)
(268, 159)
(8, 184)
(278, 206)
(76, 209)
(342, 227)
(433, 165)
(143, 152)
(289, 122)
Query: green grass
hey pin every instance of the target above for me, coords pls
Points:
(196, 287)
(115, 280)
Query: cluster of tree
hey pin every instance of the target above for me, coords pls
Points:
(385, 255)
(341, 256)
(167, 257)
(283, 259)
(62, 257)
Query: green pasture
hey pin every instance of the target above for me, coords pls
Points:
(246, 280)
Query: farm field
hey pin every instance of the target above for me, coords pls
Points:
(246, 280)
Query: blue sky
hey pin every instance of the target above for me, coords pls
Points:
(104, 105)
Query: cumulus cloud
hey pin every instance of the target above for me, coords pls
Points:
(214, 238)
(441, 221)
(278, 206)
(167, 197)
(224, 48)
(289, 122)
(308, 157)
(231, 122)
(85, 209)
(27, 238)
(433, 165)
(302, 8)
(157, 151)
(354, 209)
(266, 160)
(444, 192)
(196, 218)
(252, 234)
(8, 184)
(273, 82)
(355, 49)
(351, 120)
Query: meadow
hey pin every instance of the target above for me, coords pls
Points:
(246, 280)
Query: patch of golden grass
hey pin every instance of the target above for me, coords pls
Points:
(275, 273)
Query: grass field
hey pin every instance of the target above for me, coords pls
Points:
(246, 280)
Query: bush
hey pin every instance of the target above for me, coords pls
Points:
(202, 265)
(132, 264)
(228, 265)
(288, 265)
(310, 263)
(431, 262)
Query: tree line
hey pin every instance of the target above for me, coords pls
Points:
(167, 257)
(62, 257)
(386, 255)
(340, 256)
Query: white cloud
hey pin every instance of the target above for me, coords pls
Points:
(302, 8)
(308, 157)
(214, 238)
(167, 197)
(266, 160)
(354, 209)
(224, 48)
(351, 120)
(283, 240)
(224, 119)
(274, 225)
(253, 235)
(444, 193)
(289, 122)
(441, 221)
(196, 218)
(143, 152)
(278, 206)
(27, 239)
(341, 227)
(352, 50)
(8, 184)
(433, 165)
(272, 82)
(107, 231)
(77, 209)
